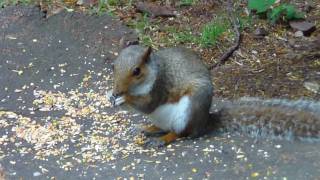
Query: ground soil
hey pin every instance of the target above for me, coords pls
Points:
(263, 67)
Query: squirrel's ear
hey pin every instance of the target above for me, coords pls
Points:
(146, 54)
(122, 42)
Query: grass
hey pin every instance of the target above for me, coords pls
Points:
(109, 6)
(146, 40)
(187, 2)
(105, 6)
(212, 31)
(151, 33)
(4, 3)
(143, 27)
(186, 37)
(208, 36)
(246, 22)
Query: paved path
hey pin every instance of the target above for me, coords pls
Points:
(56, 122)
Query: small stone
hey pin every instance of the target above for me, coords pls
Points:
(306, 27)
(298, 34)
(87, 2)
(260, 32)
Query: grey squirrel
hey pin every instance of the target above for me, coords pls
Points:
(173, 88)
(273, 118)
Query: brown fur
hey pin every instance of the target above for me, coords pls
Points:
(169, 137)
(126, 79)
(180, 72)
(175, 94)
(151, 129)
(138, 99)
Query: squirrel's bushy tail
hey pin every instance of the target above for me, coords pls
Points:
(272, 118)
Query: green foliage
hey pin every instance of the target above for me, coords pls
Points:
(113, 2)
(140, 25)
(211, 32)
(209, 36)
(102, 6)
(4, 3)
(174, 35)
(288, 12)
(187, 36)
(105, 6)
(146, 40)
(283, 11)
(260, 5)
(245, 22)
(187, 2)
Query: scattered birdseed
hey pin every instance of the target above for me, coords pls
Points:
(255, 174)
(278, 146)
(35, 174)
(194, 170)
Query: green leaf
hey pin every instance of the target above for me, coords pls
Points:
(292, 12)
(260, 5)
(276, 13)
(289, 12)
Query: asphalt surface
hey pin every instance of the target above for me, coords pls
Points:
(56, 123)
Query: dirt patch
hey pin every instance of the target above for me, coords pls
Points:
(265, 67)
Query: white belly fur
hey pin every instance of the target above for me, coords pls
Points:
(172, 117)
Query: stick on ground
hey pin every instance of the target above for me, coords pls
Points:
(236, 26)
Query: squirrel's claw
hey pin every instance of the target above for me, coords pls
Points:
(119, 100)
(115, 100)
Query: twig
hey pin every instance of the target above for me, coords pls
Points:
(236, 27)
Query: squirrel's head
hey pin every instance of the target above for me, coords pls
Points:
(134, 72)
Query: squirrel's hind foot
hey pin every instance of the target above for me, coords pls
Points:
(152, 131)
(161, 141)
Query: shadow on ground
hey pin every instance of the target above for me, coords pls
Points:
(55, 120)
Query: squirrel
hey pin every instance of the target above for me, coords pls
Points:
(173, 88)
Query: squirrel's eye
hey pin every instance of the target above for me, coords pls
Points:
(136, 71)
